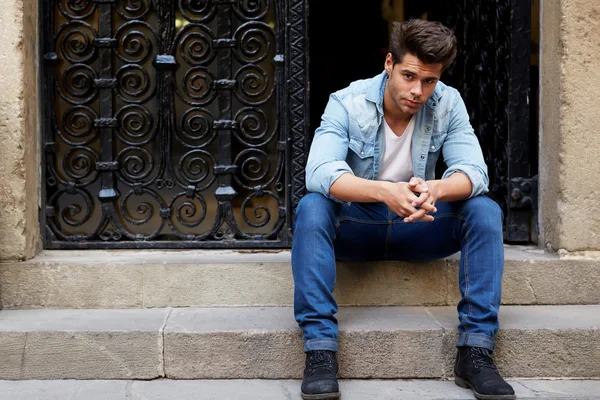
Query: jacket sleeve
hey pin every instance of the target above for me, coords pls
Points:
(461, 149)
(327, 156)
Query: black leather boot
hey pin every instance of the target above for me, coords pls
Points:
(474, 369)
(320, 376)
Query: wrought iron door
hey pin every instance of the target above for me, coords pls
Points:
(172, 123)
(492, 72)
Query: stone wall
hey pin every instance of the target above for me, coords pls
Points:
(19, 165)
(570, 125)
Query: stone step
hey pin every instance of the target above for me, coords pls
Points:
(155, 279)
(265, 343)
(164, 389)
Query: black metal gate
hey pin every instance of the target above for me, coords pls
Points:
(172, 123)
(492, 72)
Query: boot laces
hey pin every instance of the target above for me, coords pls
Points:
(319, 359)
(483, 359)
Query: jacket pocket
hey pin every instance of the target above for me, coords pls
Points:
(361, 149)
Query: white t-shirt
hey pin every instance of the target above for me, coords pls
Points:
(397, 159)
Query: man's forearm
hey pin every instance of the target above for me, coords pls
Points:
(353, 189)
(456, 187)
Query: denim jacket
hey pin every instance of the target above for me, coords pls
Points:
(350, 140)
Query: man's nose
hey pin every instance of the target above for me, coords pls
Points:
(416, 90)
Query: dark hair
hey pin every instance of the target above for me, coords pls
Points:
(431, 42)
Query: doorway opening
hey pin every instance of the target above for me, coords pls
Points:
(496, 72)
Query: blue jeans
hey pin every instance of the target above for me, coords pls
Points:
(327, 231)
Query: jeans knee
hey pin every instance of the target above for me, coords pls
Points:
(315, 209)
(485, 214)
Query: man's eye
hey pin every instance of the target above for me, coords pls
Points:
(408, 76)
(429, 81)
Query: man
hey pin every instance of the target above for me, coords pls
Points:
(374, 196)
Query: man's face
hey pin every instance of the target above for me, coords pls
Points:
(411, 83)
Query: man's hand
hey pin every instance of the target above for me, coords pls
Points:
(401, 198)
(425, 202)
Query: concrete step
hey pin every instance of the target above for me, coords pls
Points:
(265, 343)
(151, 279)
(282, 390)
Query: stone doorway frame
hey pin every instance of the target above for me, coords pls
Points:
(569, 149)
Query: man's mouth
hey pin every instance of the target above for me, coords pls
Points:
(412, 103)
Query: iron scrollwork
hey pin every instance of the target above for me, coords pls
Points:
(166, 123)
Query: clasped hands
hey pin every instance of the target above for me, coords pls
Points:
(414, 200)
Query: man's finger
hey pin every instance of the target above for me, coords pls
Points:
(420, 200)
(420, 215)
(416, 216)
(428, 203)
(415, 181)
(418, 185)
(427, 206)
(406, 210)
(420, 188)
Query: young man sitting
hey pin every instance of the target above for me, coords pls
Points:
(374, 196)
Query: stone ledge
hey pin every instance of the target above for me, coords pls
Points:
(249, 343)
(154, 279)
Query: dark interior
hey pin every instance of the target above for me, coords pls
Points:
(349, 41)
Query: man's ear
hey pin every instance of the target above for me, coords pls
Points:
(389, 64)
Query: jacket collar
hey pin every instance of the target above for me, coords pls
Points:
(376, 91)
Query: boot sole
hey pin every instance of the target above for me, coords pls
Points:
(465, 385)
(321, 396)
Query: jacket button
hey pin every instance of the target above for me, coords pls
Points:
(432, 147)
(362, 153)
(428, 128)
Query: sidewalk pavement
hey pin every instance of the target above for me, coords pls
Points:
(281, 390)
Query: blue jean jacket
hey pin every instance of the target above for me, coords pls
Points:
(350, 140)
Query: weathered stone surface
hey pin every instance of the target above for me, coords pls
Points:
(547, 341)
(118, 279)
(266, 343)
(104, 285)
(19, 153)
(91, 355)
(12, 352)
(91, 344)
(391, 283)
(542, 281)
(221, 343)
(249, 343)
(177, 285)
(388, 342)
(271, 284)
(569, 148)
